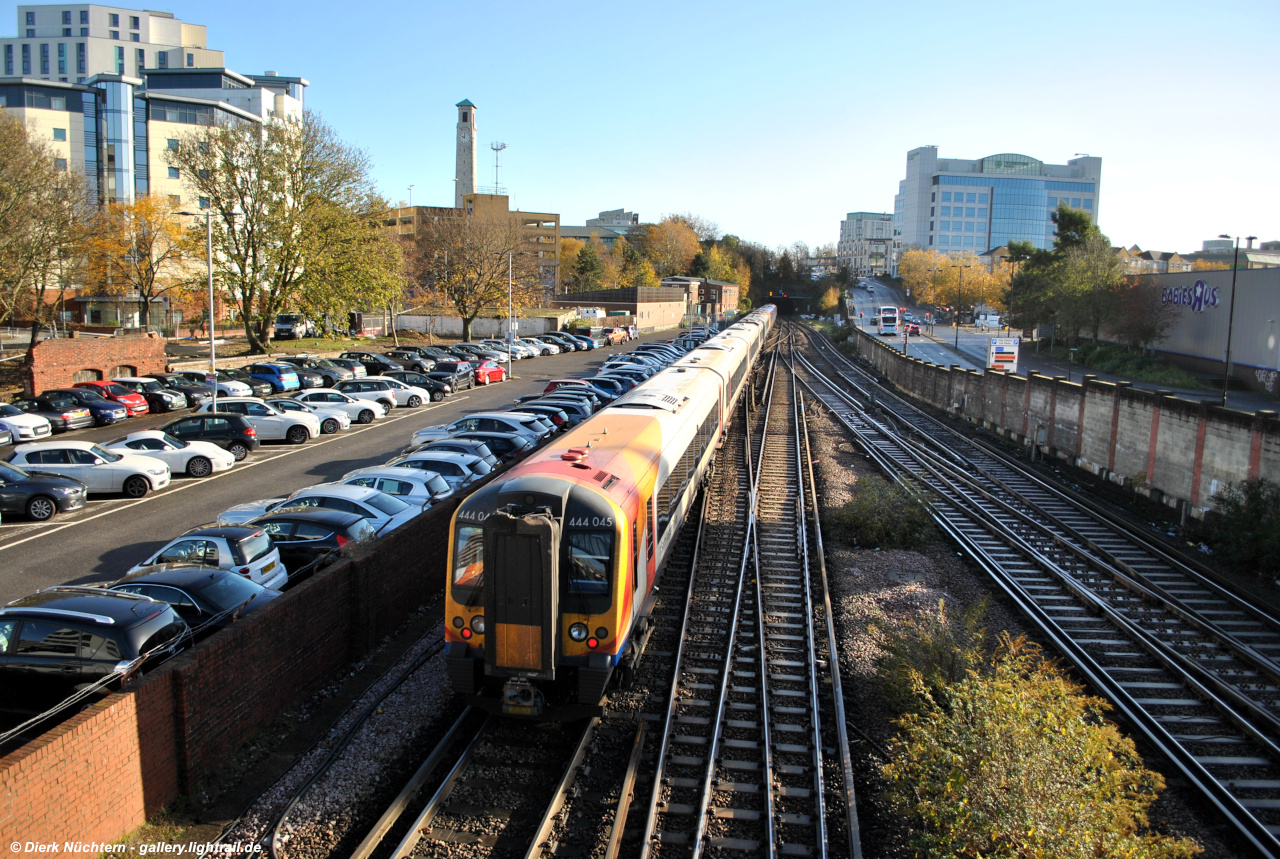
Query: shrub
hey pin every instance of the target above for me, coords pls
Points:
(1246, 530)
(1016, 762)
(935, 649)
(881, 514)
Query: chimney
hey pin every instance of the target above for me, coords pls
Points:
(1249, 243)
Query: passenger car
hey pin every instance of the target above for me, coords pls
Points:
(105, 412)
(196, 394)
(390, 392)
(361, 411)
(543, 349)
(271, 423)
(282, 377)
(291, 326)
(99, 469)
(518, 422)
(329, 372)
(232, 433)
(384, 512)
(22, 426)
(410, 485)
(201, 596)
(194, 458)
(67, 638)
(159, 398)
(411, 360)
(306, 534)
(62, 413)
(507, 446)
(223, 384)
(437, 389)
(456, 374)
(258, 387)
(244, 550)
(331, 420)
(357, 369)
(134, 402)
(373, 362)
(490, 371)
(458, 469)
(37, 495)
(453, 444)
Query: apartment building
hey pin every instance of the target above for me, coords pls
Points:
(866, 239)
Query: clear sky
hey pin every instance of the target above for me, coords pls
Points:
(774, 120)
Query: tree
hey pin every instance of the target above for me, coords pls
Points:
(1093, 280)
(670, 246)
(283, 195)
(830, 300)
(1144, 319)
(633, 269)
(588, 271)
(1072, 225)
(140, 247)
(569, 250)
(706, 230)
(1210, 265)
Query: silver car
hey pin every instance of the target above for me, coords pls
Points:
(458, 469)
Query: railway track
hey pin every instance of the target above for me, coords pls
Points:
(1191, 665)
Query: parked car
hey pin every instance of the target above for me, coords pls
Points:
(37, 495)
(383, 512)
(292, 326)
(635, 377)
(430, 353)
(456, 374)
(517, 422)
(329, 372)
(439, 353)
(386, 391)
(99, 469)
(458, 469)
(633, 333)
(476, 352)
(331, 420)
(193, 458)
(282, 377)
(374, 364)
(578, 410)
(244, 550)
(22, 426)
(453, 444)
(437, 389)
(207, 599)
(271, 423)
(67, 638)
(159, 398)
(564, 341)
(304, 535)
(133, 402)
(405, 394)
(556, 384)
(627, 382)
(517, 349)
(585, 341)
(357, 369)
(555, 414)
(358, 410)
(507, 446)
(231, 432)
(488, 372)
(62, 413)
(223, 384)
(410, 485)
(195, 394)
(410, 360)
(609, 386)
(542, 348)
(259, 387)
(104, 412)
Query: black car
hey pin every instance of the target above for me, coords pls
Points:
(437, 388)
(374, 363)
(207, 599)
(577, 410)
(453, 444)
(62, 413)
(67, 638)
(196, 395)
(232, 433)
(439, 353)
(330, 373)
(357, 369)
(159, 398)
(456, 374)
(306, 534)
(475, 354)
(257, 386)
(559, 417)
(507, 446)
(412, 360)
(38, 494)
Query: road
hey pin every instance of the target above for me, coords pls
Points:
(112, 533)
(937, 348)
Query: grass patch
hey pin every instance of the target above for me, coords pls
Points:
(934, 651)
(881, 515)
(1119, 361)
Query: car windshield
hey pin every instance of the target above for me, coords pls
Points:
(104, 453)
(117, 390)
(8, 411)
(387, 504)
(90, 397)
(254, 546)
(62, 404)
(479, 467)
(288, 317)
(176, 442)
(10, 472)
(227, 590)
(437, 484)
(151, 386)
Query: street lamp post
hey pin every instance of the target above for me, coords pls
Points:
(511, 335)
(959, 290)
(1231, 314)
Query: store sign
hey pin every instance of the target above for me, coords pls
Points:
(1198, 297)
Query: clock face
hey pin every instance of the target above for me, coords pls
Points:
(465, 137)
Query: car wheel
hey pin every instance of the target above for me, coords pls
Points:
(415, 401)
(41, 508)
(329, 426)
(365, 416)
(136, 486)
(437, 396)
(297, 434)
(329, 381)
(239, 450)
(198, 466)
(388, 404)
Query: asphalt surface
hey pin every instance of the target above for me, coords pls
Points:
(112, 533)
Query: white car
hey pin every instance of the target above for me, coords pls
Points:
(360, 411)
(410, 485)
(99, 469)
(458, 469)
(331, 420)
(195, 458)
(526, 424)
(540, 348)
(247, 551)
(22, 426)
(384, 512)
(271, 423)
(224, 387)
(386, 390)
(405, 394)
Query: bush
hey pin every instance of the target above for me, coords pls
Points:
(1246, 529)
(1016, 762)
(936, 650)
(881, 514)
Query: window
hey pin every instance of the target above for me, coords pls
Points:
(191, 61)
(44, 59)
(468, 558)
(80, 58)
(982, 213)
(84, 16)
(59, 134)
(115, 19)
(933, 198)
(204, 202)
(175, 201)
(931, 211)
(968, 226)
(8, 59)
(84, 31)
(62, 59)
(944, 240)
(66, 31)
(931, 226)
(39, 638)
(1053, 202)
(931, 239)
(162, 59)
(968, 241)
(31, 33)
(115, 34)
(982, 198)
(60, 164)
(31, 18)
(134, 22)
(944, 225)
(971, 198)
(66, 16)
(968, 210)
(99, 647)
(1075, 202)
(946, 196)
(589, 555)
(173, 173)
(946, 212)
(1088, 205)
(135, 37)
(119, 61)
(26, 59)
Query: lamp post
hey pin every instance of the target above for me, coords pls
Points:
(1231, 314)
(959, 288)
(410, 196)
(511, 334)
(208, 236)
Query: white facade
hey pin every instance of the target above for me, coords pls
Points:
(865, 240)
(464, 177)
(618, 220)
(969, 206)
(72, 43)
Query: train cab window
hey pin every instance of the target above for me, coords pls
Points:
(587, 573)
(468, 557)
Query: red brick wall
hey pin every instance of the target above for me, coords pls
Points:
(55, 362)
(103, 772)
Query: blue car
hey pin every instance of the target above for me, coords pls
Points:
(105, 412)
(281, 377)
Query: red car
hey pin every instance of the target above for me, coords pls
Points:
(560, 383)
(134, 403)
(913, 328)
(490, 371)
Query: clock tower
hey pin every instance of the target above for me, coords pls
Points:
(465, 172)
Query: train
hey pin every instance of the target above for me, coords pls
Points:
(553, 566)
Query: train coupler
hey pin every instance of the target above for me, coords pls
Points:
(522, 698)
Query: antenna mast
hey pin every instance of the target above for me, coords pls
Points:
(497, 147)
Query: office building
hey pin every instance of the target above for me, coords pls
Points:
(968, 206)
(618, 220)
(866, 239)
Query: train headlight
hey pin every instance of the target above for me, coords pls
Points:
(578, 632)
(457, 623)
(477, 624)
(602, 633)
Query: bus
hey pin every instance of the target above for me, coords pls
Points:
(887, 321)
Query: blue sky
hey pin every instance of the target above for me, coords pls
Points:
(775, 120)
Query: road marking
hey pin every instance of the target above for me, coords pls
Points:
(237, 469)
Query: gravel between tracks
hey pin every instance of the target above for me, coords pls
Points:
(870, 586)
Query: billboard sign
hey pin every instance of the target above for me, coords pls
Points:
(1002, 354)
